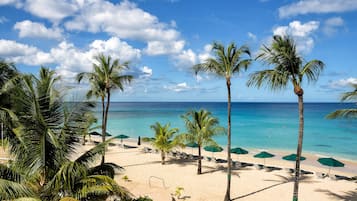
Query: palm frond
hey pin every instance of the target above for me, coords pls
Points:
(89, 156)
(10, 190)
(343, 113)
(312, 70)
(272, 79)
(351, 95)
(100, 185)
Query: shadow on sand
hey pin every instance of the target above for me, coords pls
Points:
(282, 180)
(347, 196)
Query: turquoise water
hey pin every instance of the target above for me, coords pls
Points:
(254, 125)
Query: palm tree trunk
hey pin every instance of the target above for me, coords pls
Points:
(199, 169)
(106, 120)
(229, 165)
(103, 127)
(162, 157)
(299, 147)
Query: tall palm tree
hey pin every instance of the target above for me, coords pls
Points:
(164, 139)
(227, 62)
(346, 113)
(288, 66)
(201, 128)
(45, 134)
(105, 77)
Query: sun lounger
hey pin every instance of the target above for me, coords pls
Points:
(305, 172)
(258, 166)
(320, 175)
(268, 168)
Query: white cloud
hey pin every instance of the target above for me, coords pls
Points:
(186, 59)
(22, 53)
(302, 33)
(116, 48)
(37, 30)
(252, 36)
(317, 6)
(68, 59)
(331, 25)
(12, 49)
(164, 47)
(54, 11)
(343, 83)
(125, 20)
(180, 87)
(203, 56)
(146, 72)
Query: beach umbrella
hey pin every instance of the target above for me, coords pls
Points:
(192, 145)
(213, 148)
(292, 157)
(238, 151)
(264, 155)
(121, 137)
(331, 162)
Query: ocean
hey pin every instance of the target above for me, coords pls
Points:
(254, 125)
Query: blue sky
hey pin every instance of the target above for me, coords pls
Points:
(163, 38)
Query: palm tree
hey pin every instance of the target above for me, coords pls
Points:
(91, 119)
(164, 140)
(45, 134)
(106, 76)
(226, 63)
(346, 113)
(8, 72)
(201, 128)
(288, 67)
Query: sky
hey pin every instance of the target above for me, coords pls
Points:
(163, 39)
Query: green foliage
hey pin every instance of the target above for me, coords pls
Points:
(143, 199)
(164, 139)
(178, 191)
(227, 61)
(201, 128)
(106, 76)
(45, 133)
(288, 66)
(350, 113)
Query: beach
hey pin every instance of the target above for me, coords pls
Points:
(147, 177)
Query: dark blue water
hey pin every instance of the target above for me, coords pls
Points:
(254, 125)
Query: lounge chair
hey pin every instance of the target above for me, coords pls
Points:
(320, 175)
(268, 168)
(258, 166)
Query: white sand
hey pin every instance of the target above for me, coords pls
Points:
(148, 177)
